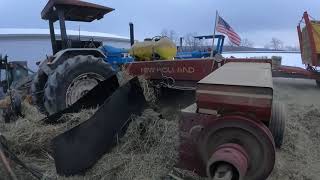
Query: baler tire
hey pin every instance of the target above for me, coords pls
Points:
(318, 83)
(277, 123)
(37, 90)
(55, 97)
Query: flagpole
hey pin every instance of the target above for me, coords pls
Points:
(214, 33)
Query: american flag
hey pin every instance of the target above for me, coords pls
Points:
(225, 28)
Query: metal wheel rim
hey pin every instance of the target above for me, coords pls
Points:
(219, 126)
(81, 85)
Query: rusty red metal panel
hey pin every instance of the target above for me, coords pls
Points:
(295, 72)
(300, 38)
(249, 107)
(181, 70)
(237, 88)
(184, 70)
(234, 89)
(311, 39)
(189, 157)
(232, 99)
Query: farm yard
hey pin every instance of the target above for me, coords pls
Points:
(173, 92)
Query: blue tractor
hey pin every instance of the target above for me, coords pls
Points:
(204, 53)
(76, 66)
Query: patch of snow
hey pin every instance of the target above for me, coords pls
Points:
(46, 32)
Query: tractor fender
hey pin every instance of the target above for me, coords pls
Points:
(50, 64)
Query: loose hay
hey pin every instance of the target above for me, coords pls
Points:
(30, 139)
(148, 90)
(29, 135)
(147, 150)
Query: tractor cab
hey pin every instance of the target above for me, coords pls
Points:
(71, 10)
(219, 39)
(203, 52)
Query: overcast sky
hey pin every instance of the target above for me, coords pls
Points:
(257, 20)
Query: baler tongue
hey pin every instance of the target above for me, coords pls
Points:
(81, 147)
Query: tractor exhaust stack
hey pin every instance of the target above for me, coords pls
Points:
(131, 33)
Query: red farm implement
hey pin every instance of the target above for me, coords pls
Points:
(309, 39)
(230, 126)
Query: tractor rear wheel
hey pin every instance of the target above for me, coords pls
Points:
(37, 89)
(277, 123)
(73, 79)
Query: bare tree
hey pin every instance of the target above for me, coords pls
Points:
(191, 42)
(276, 44)
(230, 44)
(171, 34)
(165, 32)
(246, 43)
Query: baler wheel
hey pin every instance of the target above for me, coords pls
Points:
(277, 122)
(252, 136)
(318, 83)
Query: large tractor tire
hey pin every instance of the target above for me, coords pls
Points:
(73, 79)
(37, 89)
(277, 123)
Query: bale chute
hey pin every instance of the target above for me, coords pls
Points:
(80, 148)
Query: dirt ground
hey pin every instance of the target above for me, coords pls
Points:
(299, 157)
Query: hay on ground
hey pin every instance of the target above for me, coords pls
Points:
(147, 151)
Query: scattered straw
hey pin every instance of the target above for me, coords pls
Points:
(148, 89)
(30, 139)
(147, 151)
(29, 135)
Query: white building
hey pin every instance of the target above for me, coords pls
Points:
(34, 45)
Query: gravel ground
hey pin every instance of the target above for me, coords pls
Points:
(299, 157)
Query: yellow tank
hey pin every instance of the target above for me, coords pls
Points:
(154, 49)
